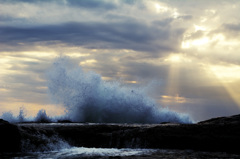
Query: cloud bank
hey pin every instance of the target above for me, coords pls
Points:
(189, 48)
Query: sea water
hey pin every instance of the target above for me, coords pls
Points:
(82, 152)
(107, 153)
(61, 149)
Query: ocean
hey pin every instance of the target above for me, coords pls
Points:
(108, 153)
(54, 147)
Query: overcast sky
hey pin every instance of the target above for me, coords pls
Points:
(186, 51)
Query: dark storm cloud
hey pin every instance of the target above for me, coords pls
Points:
(146, 71)
(92, 4)
(88, 4)
(125, 35)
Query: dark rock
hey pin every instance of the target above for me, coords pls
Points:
(10, 139)
(64, 121)
(211, 135)
(223, 120)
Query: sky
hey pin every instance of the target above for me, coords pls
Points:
(185, 51)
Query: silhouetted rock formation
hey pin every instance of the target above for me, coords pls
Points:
(219, 134)
(223, 120)
(10, 140)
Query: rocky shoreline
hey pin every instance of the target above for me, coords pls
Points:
(214, 135)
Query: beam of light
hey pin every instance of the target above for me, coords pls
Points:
(173, 75)
(227, 75)
(172, 94)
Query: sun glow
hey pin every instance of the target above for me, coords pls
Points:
(197, 28)
(177, 58)
(174, 58)
(160, 8)
(201, 41)
(198, 42)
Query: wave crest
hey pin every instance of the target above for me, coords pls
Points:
(88, 98)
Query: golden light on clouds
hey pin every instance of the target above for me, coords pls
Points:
(88, 62)
(185, 44)
(198, 27)
(160, 8)
(177, 58)
(174, 58)
(77, 54)
(200, 42)
(133, 82)
(36, 54)
(173, 99)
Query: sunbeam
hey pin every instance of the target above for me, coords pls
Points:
(227, 76)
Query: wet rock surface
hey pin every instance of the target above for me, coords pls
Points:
(220, 134)
(214, 135)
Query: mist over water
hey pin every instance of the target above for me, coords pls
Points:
(88, 98)
(41, 117)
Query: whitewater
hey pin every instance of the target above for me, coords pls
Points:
(86, 97)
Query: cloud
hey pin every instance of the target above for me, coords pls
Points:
(232, 27)
(130, 41)
(93, 4)
(124, 35)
